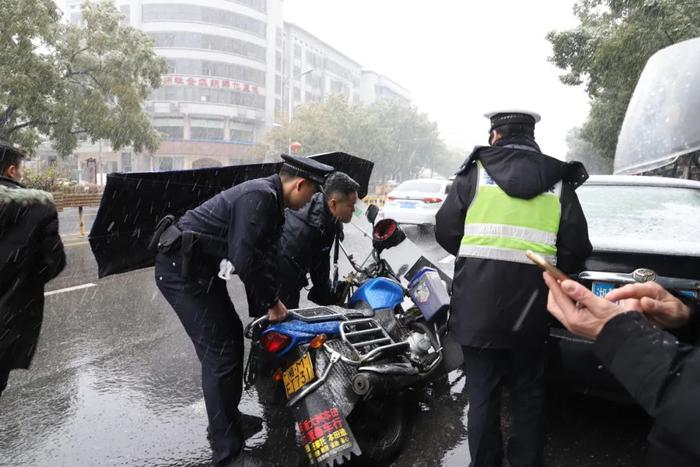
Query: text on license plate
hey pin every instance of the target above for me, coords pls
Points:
(298, 375)
(408, 205)
(601, 289)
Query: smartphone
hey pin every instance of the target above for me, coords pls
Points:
(547, 266)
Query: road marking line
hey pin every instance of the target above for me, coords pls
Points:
(447, 259)
(70, 289)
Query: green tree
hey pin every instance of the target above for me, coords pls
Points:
(607, 51)
(397, 138)
(60, 81)
(583, 151)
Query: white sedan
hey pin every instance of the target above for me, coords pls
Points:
(416, 201)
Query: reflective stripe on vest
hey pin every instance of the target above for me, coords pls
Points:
(501, 227)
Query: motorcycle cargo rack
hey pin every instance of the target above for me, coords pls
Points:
(368, 339)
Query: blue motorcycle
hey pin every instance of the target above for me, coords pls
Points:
(345, 369)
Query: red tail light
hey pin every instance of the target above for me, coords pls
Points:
(274, 342)
(432, 200)
(391, 198)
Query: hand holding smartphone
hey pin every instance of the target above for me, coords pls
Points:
(546, 266)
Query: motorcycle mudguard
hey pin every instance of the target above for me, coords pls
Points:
(326, 437)
(378, 293)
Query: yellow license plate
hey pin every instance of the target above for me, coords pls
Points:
(298, 375)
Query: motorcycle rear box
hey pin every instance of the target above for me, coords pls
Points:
(429, 292)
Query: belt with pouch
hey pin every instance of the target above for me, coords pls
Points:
(171, 239)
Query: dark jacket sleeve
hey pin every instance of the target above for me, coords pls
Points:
(661, 374)
(320, 272)
(252, 238)
(573, 244)
(449, 220)
(52, 253)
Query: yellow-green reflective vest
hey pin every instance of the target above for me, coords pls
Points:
(501, 227)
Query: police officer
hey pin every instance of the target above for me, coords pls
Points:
(508, 198)
(308, 237)
(241, 225)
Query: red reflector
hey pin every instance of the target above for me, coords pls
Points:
(432, 200)
(274, 342)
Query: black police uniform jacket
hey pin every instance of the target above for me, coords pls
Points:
(305, 247)
(490, 297)
(248, 218)
(31, 254)
(663, 376)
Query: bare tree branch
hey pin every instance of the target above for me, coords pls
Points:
(29, 123)
(7, 114)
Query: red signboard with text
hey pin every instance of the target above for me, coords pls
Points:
(206, 82)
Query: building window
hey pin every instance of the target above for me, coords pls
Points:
(165, 163)
(297, 51)
(260, 5)
(173, 128)
(223, 70)
(177, 12)
(337, 87)
(214, 96)
(314, 81)
(125, 10)
(278, 37)
(207, 129)
(339, 70)
(194, 40)
(313, 59)
(297, 93)
(241, 136)
(278, 84)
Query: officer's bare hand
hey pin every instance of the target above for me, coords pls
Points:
(659, 306)
(580, 310)
(278, 312)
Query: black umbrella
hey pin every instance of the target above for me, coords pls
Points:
(133, 203)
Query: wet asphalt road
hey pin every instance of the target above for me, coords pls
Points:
(115, 381)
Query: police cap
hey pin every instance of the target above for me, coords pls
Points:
(512, 117)
(307, 168)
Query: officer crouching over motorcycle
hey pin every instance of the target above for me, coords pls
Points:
(239, 226)
(308, 237)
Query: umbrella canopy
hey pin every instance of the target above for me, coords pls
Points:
(133, 203)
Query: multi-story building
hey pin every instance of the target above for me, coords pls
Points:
(375, 87)
(231, 67)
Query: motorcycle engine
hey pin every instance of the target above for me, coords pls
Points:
(419, 344)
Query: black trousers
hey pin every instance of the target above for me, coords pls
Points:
(487, 371)
(209, 317)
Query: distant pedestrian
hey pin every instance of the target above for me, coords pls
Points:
(31, 254)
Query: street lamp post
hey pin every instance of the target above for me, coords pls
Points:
(290, 97)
